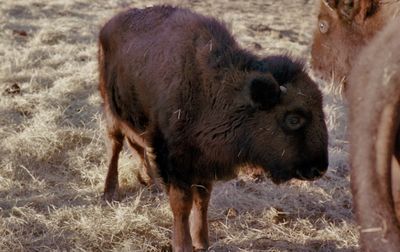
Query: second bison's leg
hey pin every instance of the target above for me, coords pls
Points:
(198, 218)
(181, 203)
(396, 175)
(396, 185)
(114, 145)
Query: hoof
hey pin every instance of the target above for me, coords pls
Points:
(200, 250)
(144, 179)
(110, 196)
(147, 181)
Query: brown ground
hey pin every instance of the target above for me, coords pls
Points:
(52, 152)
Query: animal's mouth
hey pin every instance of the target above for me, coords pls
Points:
(279, 176)
(278, 181)
(312, 171)
(316, 174)
(300, 176)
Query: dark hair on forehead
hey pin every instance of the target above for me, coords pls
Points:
(283, 67)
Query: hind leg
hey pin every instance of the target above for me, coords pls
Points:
(114, 146)
(147, 173)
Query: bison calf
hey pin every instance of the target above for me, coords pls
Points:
(176, 85)
(374, 92)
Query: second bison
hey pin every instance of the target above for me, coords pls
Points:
(374, 93)
(177, 86)
(344, 28)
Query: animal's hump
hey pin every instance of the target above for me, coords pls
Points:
(150, 17)
(283, 67)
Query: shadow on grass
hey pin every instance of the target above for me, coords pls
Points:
(267, 244)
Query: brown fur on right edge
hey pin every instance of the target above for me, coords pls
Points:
(374, 97)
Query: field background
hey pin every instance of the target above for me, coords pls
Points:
(52, 150)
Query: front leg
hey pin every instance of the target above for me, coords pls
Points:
(180, 200)
(198, 218)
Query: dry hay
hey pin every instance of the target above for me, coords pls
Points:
(52, 151)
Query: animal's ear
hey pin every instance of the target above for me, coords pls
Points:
(331, 4)
(264, 91)
(353, 10)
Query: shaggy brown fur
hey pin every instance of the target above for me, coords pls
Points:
(176, 84)
(344, 28)
(374, 96)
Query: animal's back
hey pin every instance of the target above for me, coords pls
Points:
(150, 58)
(133, 21)
(122, 46)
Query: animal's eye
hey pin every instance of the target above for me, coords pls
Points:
(294, 121)
(323, 26)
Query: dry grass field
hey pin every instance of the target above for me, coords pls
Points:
(52, 150)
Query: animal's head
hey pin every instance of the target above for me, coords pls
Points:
(343, 29)
(285, 132)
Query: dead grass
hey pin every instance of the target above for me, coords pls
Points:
(52, 164)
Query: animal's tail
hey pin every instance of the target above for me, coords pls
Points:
(102, 70)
